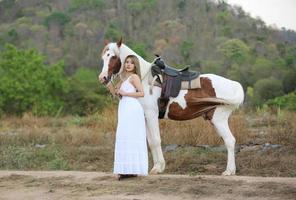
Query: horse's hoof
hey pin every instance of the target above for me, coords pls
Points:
(154, 171)
(158, 168)
(228, 173)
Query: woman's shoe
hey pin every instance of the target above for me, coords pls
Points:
(132, 175)
(123, 176)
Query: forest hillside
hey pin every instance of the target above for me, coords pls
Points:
(67, 37)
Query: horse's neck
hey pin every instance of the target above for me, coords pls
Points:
(144, 65)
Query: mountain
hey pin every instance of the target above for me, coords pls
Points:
(211, 36)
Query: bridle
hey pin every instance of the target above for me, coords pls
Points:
(116, 65)
(114, 74)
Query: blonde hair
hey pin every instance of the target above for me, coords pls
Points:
(136, 63)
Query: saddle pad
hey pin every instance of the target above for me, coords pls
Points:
(195, 83)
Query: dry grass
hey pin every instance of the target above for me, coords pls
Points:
(75, 130)
(283, 130)
(87, 143)
(199, 132)
(280, 162)
(276, 128)
(70, 130)
(95, 129)
(72, 142)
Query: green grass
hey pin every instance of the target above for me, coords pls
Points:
(32, 157)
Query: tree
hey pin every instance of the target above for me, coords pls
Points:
(56, 23)
(262, 68)
(86, 4)
(240, 73)
(57, 18)
(235, 50)
(186, 49)
(139, 48)
(112, 32)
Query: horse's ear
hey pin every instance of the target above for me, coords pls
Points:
(106, 41)
(157, 55)
(119, 42)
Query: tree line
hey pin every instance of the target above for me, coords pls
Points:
(212, 37)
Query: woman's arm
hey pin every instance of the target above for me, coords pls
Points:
(111, 89)
(136, 82)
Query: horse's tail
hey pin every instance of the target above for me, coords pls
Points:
(235, 101)
(238, 98)
(208, 101)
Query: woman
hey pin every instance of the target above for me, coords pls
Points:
(130, 157)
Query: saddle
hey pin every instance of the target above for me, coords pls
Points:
(160, 67)
(171, 82)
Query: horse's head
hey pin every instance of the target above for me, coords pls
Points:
(111, 61)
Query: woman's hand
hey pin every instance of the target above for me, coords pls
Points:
(120, 92)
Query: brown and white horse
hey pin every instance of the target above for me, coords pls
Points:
(187, 105)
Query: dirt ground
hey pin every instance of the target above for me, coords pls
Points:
(22, 185)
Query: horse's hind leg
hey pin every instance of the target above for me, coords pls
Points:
(220, 122)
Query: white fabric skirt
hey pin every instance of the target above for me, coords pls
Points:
(130, 156)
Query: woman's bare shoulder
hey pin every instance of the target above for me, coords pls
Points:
(135, 77)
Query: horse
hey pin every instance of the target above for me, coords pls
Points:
(187, 105)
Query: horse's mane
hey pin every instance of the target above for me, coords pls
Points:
(106, 48)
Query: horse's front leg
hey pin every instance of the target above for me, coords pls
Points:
(154, 141)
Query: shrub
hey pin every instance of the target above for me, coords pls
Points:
(27, 84)
(265, 89)
(85, 95)
(287, 102)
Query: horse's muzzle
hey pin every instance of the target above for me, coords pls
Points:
(105, 80)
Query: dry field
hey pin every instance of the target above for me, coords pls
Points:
(266, 143)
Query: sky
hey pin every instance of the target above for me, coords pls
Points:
(282, 13)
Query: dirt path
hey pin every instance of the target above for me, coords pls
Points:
(95, 185)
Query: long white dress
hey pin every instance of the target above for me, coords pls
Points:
(130, 156)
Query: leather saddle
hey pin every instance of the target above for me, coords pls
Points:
(184, 74)
(171, 81)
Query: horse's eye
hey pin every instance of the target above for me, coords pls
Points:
(108, 54)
